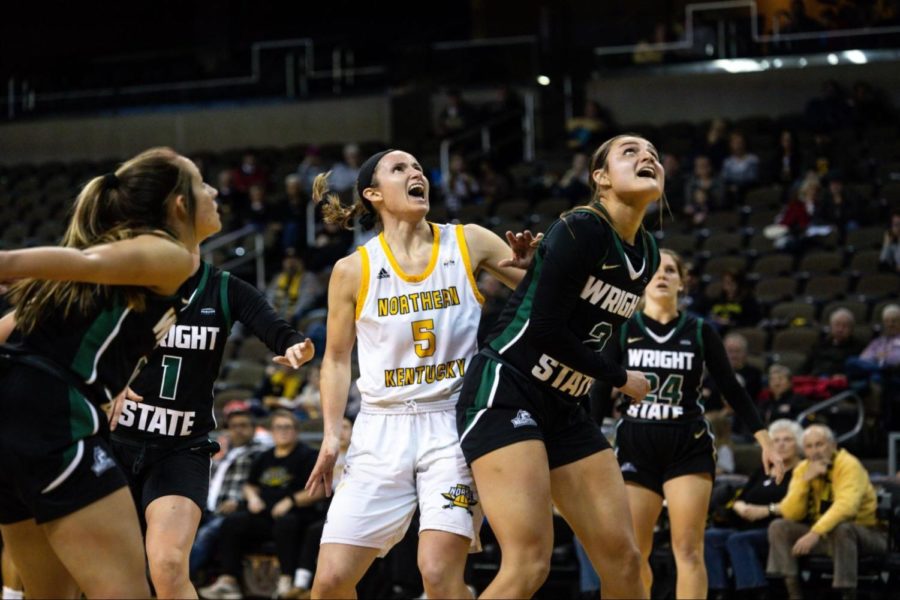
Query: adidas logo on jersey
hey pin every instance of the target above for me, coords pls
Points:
(383, 274)
(629, 468)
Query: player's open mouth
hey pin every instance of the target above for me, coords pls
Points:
(416, 190)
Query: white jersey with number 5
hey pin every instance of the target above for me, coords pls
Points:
(416, 333)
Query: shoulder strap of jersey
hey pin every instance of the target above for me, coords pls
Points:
(223, 298)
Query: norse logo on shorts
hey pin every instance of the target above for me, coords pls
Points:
(523, 418)
(460, 496)
(102, 461)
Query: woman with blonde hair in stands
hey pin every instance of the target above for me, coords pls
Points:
(409, 297)
(87, 316)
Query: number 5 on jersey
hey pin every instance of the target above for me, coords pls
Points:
(423, 336)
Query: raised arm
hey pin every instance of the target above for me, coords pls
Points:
(737, 397)
(147, 260)
(335, 373)
(487, 251)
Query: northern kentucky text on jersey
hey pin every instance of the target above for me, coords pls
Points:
(191, 337)
(424, 373)
(418, 301)
(614, 300)
(641, 358)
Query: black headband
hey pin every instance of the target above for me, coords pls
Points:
(367, 170)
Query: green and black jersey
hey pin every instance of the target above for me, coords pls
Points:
(582, 285)
(177, 383)
(674, 356)
(107, 347)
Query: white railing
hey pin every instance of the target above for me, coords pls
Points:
(760, 38)
(244, 255)
(487, 142)
(298, 73)
(847, 396)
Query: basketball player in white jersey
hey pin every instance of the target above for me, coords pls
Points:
(409, 296)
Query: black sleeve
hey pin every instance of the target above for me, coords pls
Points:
(720, 369)
(602, 404)
(570, 251)
(250, 307)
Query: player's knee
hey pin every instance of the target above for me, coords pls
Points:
(438, 573)
(329, 583)
(531, 565)
(687, 552)
(168, 566)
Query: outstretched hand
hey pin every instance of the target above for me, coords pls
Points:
(118, 404)
(323, 473)
(297, 355)
(523, 245)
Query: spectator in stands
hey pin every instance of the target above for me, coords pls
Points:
(735, 306)
(779, 400)
(293, 291)
(311, 166)
(585, 132)
(720, 425)
(277, 508)
(575, 182)
(291, 214)
(456, 116)
(839, 206)
(796, 20)
(343, 174)
(647, 50)
(676, 182)
(494, 184)
(737, 536)
(714, 144)
(879, 362)
(889, 259)
(697, 208)
(869, 107)
(693, 299)
(231, 200)
(279, 386)
(305, 403)
(257, 211)
(704, 179)
(746, 374)
(740, 170)
(828, 357)
(460, 187)
(829, 508)
(332, 243)
(830, 111)
(229, 474)
(787, 164)
(823, 156)
(797, 215)
(249, 173)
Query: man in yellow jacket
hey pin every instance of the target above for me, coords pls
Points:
(829, 509)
